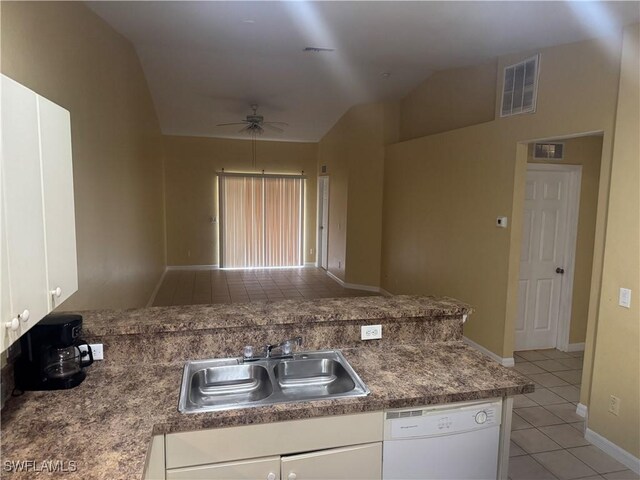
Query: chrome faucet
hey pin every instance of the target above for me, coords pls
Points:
(286, 350)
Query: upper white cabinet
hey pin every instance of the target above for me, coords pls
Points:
(59, 215)
(37, 224)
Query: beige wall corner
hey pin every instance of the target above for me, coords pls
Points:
(66, 53)
(191, 189)
(616, 365)
(443, 192)
(353, 152)
(449, 99)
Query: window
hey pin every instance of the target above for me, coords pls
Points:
(520, 87)
(261, 220)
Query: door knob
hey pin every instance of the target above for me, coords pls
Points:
(271, 476)
(24, 316)
(560, 270)
(13, 324)
(292, 476)
(56, 292)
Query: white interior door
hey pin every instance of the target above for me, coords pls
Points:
(323, 222)
(544, 241)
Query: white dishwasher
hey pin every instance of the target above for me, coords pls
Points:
(448, 442)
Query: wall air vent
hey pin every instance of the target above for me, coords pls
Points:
(520, 87)
(548, 151)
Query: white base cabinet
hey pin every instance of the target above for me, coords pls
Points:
(253, 469)
(358, 462)
(38, 268)
(327, 448)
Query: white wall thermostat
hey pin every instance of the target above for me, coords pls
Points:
(501, 222)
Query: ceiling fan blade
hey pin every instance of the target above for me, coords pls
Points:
(246, 127)
(284, 124)
(243, 122)
(271, 127)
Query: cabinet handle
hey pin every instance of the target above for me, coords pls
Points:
(24, 316)
(292, 476)
(13, 324)
(56, 292)
(271, 476)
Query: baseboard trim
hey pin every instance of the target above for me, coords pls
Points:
(505, 362)
(613, 450)
(582, 410)
(192, 267)
(575, 347)
(152, 298)
(386, 293)
(355, 286)
(310, 264)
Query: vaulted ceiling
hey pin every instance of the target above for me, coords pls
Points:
(206, 62)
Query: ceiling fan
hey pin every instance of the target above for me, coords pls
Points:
(255, 123)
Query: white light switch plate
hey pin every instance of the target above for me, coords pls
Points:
(96, 350)
(370, 332)
(624, 299)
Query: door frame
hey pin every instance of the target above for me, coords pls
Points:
(569, 247)
(319, 213)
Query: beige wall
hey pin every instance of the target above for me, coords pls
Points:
(442, 193)
(191, 191)
(449, 99)
(584, 151)
(616, 368)
(69, 55)
(353, 151)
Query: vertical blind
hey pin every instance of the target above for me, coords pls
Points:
(261, 220)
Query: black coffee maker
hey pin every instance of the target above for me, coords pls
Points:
(50, 356)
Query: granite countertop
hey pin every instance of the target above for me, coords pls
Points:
(105, 425)
(200, 317)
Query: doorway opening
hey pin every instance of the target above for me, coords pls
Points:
(556, 255)
(322, 248)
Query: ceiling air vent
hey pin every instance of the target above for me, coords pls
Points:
(548, 151)
(318, 49)
(520, 87)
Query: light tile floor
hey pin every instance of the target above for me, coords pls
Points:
(191, 287)
(547, 436)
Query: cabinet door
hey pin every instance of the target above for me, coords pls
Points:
(254, 469)
(22, 203)
(59, 215)
(349, 463)
(7, 335)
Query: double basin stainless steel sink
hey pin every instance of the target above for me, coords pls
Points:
(228, 383)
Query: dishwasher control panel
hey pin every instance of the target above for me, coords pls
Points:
(441, 420)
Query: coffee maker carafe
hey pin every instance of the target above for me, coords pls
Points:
(51, 358)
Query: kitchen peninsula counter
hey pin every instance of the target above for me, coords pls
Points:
(105, 425)
(254, 314)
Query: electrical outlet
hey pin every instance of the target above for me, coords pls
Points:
(614, 405)
(311, 251)
(96, 350)
(370, 332)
